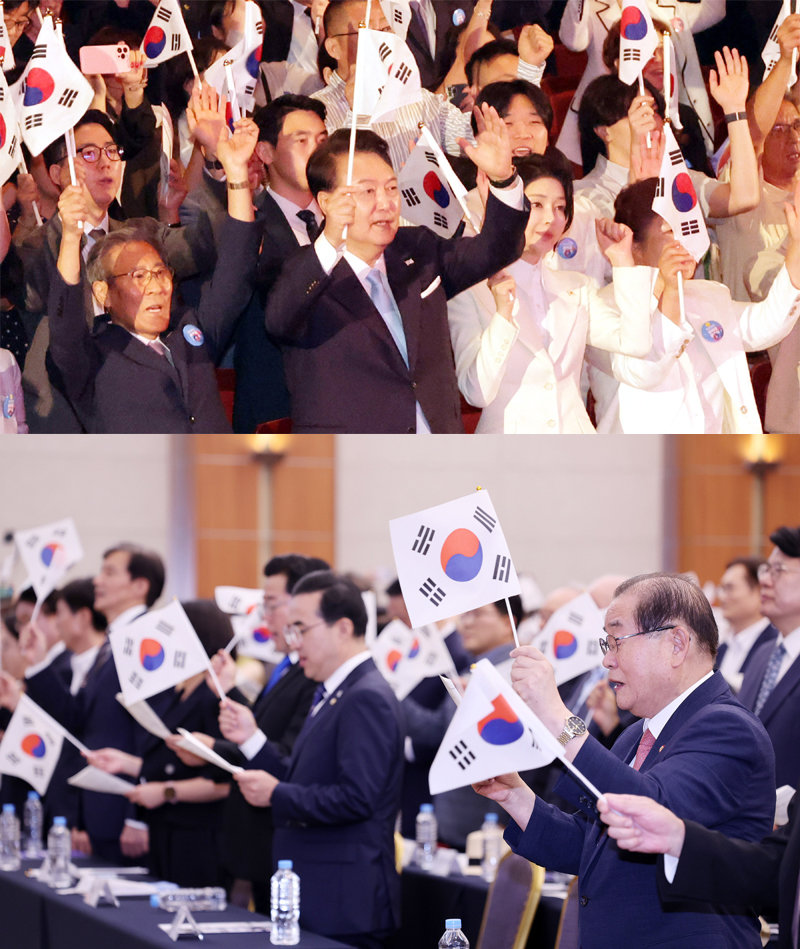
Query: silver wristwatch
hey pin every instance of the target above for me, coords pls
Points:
(573, 727)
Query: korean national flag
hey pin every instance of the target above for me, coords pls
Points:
(31, 745)
(637, 39)
(676, 200)
(9, 132)
(570, 638)
(253, 638)
(167, 35)
(772, 51)
(246, 57)
(156, 651)
(47, 553)
(452, 558)
(407, 656)
(427, 197)
(398, 16)
(492, 732)
(387, 76)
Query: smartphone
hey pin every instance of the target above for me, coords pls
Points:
(105, 60)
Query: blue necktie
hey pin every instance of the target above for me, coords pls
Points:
(387, 308)
(770, 677)
(277, 673)
(319, 697)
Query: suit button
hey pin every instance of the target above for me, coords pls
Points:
(192, 420)
(584, 901)
(413, 385)
(743, 409)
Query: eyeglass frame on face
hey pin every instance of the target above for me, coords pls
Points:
(605, 645)
(157, 273)
(382, 29)
(774, 570)
(118, 156)
(294, 635)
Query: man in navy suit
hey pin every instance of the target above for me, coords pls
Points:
(771, 686)
(335, 799)
(697, 750)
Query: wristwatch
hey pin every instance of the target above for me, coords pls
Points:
(573, 727)
(171, 795)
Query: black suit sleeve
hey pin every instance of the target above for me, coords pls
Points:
(71, 349)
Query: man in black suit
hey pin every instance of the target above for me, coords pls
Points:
(705, 865)
(433, 36)
(362, 321)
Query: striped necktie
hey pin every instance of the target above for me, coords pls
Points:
(770, 677)
(646, 742)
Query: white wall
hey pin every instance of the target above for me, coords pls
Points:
(571, 507)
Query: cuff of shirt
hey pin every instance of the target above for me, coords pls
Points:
(136, 824)
(328, 254)
(513, 195)
(253, 745)
(670, 867)
(530, 72)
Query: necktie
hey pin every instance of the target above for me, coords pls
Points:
(770, 677)
(319, 697)
(277, 674)
(158, 347)
(310, 220)
(420, 9)
(646, 742)
(387, 308)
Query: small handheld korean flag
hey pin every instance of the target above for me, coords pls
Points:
(637, 39)
(31, 745)
(167, 142)
(452, 558)
(251, 635)
(570, 638)
(672, 89)
(156, 651)
(398, 16)
(407, 656)
(6, 52)
(239, 600)
(492, 732)
(9, 132)
(245, 57)
(52, 94)
(47, 553)
(676, 200)
(772, 51)
(387, 76)
(427, 197)
(167, 35)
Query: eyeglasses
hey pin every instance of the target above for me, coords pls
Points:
(381, 29)
(142, 277)
(606, 644)
(20, 23)
(91, 153)
(293, 634)
(773, 570)
(785, 129)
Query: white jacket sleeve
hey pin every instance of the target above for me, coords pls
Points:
(764, 324)
(574, 30)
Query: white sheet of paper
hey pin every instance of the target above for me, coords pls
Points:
(93, 779)
(145, 716)
(189, 743)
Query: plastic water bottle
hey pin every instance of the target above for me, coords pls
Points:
(32, 826)
(453, 938)
(285, 905)
(9, 839)
(59, 850)
(196, 898)
(427, 832)
(492, 846)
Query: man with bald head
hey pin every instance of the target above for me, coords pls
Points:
(697, 750)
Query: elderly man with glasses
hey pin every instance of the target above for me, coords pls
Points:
(696, 750)
(771, 684)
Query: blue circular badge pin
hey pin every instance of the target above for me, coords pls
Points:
(459, 17)
(567, 248)
(712, 331)
(193, 335)
(9, 406)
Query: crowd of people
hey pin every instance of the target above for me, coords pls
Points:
(672, 727)
(558, 305)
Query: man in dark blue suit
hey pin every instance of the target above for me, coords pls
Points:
(771, 686)
(697, 750)
(335, 799)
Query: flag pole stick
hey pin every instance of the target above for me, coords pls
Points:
(192, 63)
(584, 781)
(232, 644)
(681, 302)
(642, 92)
(513, 624)
(69, 138)
(215, 680)
(236, 112)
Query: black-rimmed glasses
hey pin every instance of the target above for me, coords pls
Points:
(606, 644)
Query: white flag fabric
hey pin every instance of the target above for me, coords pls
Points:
(398, 15)
(51, 94)
(48, 552)
(31, 745)
(674, 88)
(492, 732)
(637, 39)
(246, 57)
(570, 638)
(156, 651)
(407, 656)
(167, 144)
(427, 197)
(452, 558)
(9, 132)
(253, 637)
(167, 35)
(6, 51)
(387, 76)
(772, 51)
(240, 600)
(676, 200)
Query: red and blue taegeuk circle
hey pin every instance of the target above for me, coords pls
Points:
(262, 634)
(2, 132)
(413, 652)
(501, 726)
(252, 62)
(564, 644)
(435, 190)
(151, 654)
(51, 554)
(34, 745)
(632, 24)
(39, 86)
(393, 658)
(462, 555)
(683, 193)
(155, 39)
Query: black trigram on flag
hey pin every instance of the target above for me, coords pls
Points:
(384, 52)
(38, 771)
(128, 647)
(2, 94)
(13, 146)
(689, 227)
(593, 647)
(575, 619)
(164, 14)
(631, 55)
(403, 74)
(33, 121)
(440, 220)
(432, 159)
(773, 36)
(164, 627)
(462, 755)
(482, 517)
(68, 96)
(135, 680)
(675, 157)
(177, 42)
(32, 541)
(235, 602)
(660, 188)
(13, 757)
(39, 52)
(260, 27)
(411, 197)
(423, 542)
(433, 592)
(27, 721)
(179, 660)
(398, 16)
(502, 568)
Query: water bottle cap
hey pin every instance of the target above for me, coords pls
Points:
(491, 818)
(8, 808)
(154, 900)
(33, 796)
(452, 924)
(284, 864)
(59, 821)
(426, 808)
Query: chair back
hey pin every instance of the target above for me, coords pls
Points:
(511, 903)
(567, 936)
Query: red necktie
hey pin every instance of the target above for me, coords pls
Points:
(646, 742)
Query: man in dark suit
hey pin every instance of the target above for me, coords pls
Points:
(433, 36)
(697, 750)
(335, 800)
(363, 321)
(703, 864)
(771, 685)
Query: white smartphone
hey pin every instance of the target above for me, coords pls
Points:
(105, 60)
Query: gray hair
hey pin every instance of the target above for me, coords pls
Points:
(144, 230)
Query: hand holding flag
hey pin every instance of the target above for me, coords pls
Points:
(244, 58)
(783, 41)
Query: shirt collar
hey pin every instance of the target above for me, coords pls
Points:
(656, 724)
(335, 679)
(290, 209)
(791, 643)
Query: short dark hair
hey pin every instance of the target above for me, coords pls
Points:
(551, 165)
(515, 602)
(293, 567)
(142, 564)
(28, 595)
(787, 540)
(666, 597)
(488, 52)
(56, 151)
(341, 598)
(79, 595)
(605, 101)
(144, 230)
(500, 94)
(394, 588)
(322, 165)
(332, 11)
(270, 118)
(213, 627)
(633, 207)
(751, 565)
